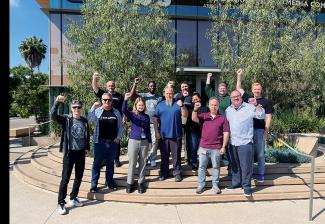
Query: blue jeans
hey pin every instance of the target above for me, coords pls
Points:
(204, 155)
(195, 141)
(103, 150)
(259, 147)
(241, 158)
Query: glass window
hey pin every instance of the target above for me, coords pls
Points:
(186, 40)
(204, 45)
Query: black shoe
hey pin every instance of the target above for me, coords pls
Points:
(117, 163)
(141, 188)
(193, 167)
(129, 188)
(93, 189)
(178, 178)
(230, 188)
(112, 187)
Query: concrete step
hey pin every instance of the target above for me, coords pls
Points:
(280, 168)
(44, 164)
(30, 174)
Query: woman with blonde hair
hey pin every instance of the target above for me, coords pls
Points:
(139, 140)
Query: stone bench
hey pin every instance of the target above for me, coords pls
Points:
(19, 132)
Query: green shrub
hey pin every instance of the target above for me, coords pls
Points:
(275, 155)
(297, 122)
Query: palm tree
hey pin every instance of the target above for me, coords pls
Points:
(33, 51)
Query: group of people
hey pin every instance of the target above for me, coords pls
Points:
(234, 125)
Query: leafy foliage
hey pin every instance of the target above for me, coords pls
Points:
(297, 121)
(281, 47)
(33, 51)
(121, 41)
(27, 96)
(275, 155)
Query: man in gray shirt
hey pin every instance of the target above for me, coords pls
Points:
(75, 144)
(152, 99)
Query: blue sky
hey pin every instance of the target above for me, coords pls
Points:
(26, 20)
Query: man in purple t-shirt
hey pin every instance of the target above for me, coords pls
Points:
(214, 139)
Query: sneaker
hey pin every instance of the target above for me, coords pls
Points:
(260, 179)
(247, 193)
(117, 163)
(162, 178)
(199, 190)
(129, 188)
(193, 167)
(112, 187)
(178, 178)
(141, 188)
(75, 203)
(153, 163)
(216, 190)
(230, 188)
(62, 209)
(93, 190)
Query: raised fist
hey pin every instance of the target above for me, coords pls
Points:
(96, 76)
(179, 103)
(136, 81)
(127, 96)
(60, 98)
(96, 105)
(240, 71)
(252, 101)
(197, 105)
(209, 75)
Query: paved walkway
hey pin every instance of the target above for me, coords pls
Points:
(31, 205)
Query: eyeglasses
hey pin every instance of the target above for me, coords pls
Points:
(109, 100)
(76, 107)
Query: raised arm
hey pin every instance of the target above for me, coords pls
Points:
(238, 84)
(94, 84)
(134, 88)
(208, 88)
(197, 107)
(91, 114)
(54, 110)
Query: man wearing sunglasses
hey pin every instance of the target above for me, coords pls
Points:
(75, 143)
(107, 135)
(116, 103)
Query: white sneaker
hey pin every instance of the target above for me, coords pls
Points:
(61, 209)
(75, 203)
(153, 163)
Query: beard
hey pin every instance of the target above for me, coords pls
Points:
(169, 103)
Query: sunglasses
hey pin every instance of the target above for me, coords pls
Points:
(75, 107)
(109, 100)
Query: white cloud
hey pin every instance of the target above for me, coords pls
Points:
(14, 3)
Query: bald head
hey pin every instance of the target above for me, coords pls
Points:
(110, 85)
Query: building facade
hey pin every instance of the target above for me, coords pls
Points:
(189, 18)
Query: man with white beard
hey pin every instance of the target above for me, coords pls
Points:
(168, 128)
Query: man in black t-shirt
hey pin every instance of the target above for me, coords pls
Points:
(261, 127)
(117, 103)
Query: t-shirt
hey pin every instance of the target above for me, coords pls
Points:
(266, 104)
(224, 101)
(117, 99)
(212, 130)
(170, 119)
(108, 125)
(152, 101)
(77, 140)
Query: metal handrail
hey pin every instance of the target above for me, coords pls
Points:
(37, 124)
(311, 197)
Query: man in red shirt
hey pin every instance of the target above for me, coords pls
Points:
(214, 139)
